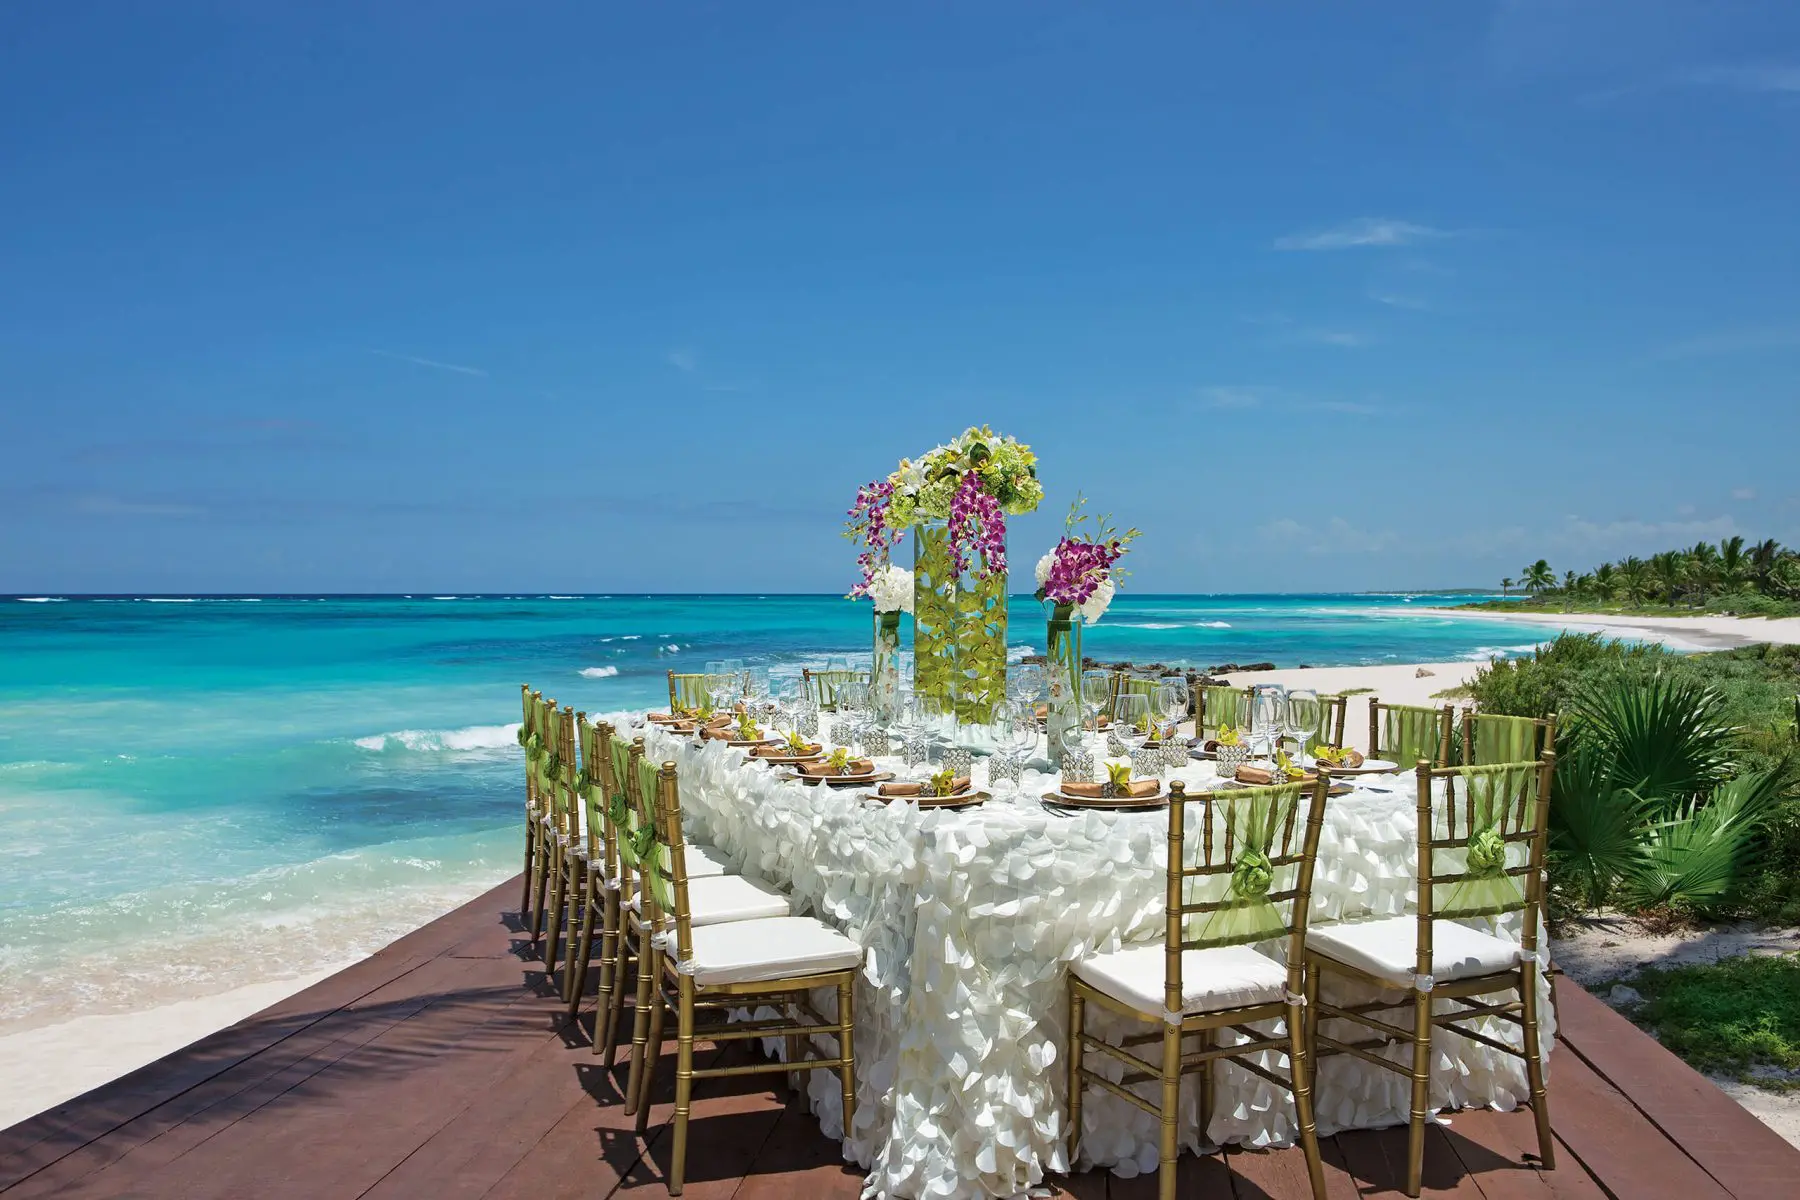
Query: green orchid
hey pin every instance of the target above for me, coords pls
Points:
(797, 745)
(839, 761)
(940, 783)
(748, 729)
(1229, 736)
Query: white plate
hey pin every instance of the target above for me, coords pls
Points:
(1378, 764)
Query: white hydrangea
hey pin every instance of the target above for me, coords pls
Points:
(1043, 567)
(1096, 604)
(892, 589)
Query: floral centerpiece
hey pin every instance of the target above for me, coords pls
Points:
(956, 497)
(891, 589)
(1077, 580)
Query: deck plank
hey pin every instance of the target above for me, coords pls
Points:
(445, 1067)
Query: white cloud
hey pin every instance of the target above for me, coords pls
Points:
(1363, 231)
(1233, 396)
(1337, 536)
(432, 363)
(683, 360)
(113, 506)
(1748, 77)
(1743, 493)
(1397, 300)
(1605, 537)
(1332, 337)
(1734, 341)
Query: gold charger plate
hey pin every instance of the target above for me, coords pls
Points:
(788, 760)
(960, 800)
(842, 780)
(1102, 804)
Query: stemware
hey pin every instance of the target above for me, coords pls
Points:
(1172, 702)
(852, 713)
(1016, 734)
(1096, 692)
(1025, 684)
(1268, 716)
(1303, 713)
(909, 724)
(1131, 718)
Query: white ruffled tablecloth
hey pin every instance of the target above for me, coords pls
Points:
(970, 920)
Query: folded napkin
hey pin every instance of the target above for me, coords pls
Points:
(1352, 760)
(780, 750)
(958, 786)
(1263, 776)
(1096, 791)
(822, 770)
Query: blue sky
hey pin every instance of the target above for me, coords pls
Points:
(480, 297)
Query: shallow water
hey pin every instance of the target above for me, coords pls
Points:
(201, 793)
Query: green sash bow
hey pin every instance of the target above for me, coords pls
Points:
(1492, 792)
(1253, 815)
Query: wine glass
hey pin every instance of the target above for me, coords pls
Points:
(1303, 713)
(852, 712)
(1096, 692)
(1172, 700)
(1268, 715)
(1131, 719)
(1016, 733)
(1025, 684)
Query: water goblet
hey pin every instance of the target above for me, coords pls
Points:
(1304, 711)
(1268, 715)
(1096, 695)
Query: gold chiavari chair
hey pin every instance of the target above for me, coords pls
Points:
(1492, 738)
(773, 962)
(1219, 706)
(1246, 878)
(599, 902)
(823, 686)
(1407, 732)
(1464, 871)
(531, 741)
(541, 749)
(688, 691)
(713, 899)
(557, 780)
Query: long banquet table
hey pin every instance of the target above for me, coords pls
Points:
(969, 921)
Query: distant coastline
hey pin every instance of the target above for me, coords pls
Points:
(1677, 633)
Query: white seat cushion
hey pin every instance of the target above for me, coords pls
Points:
(1389, 949)
(704, 862)
(1212, 980)
(748, 951)
(732, 898)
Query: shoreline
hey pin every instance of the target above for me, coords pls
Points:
(1699, 633)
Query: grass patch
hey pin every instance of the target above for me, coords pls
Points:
(1729, 1016)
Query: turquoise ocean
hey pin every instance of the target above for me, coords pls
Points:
(198, 793)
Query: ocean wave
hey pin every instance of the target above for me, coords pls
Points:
(167, 599)
(1170, 624)
(42, 600)
(599, 672)
(432, 741)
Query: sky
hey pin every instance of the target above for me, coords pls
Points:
(577, 297)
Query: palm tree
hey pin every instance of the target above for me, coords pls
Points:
(1606, 580)
(1734, 564)
(1668, 569)
(1569, 582)
(1763, 557)
(1506, 585)
(1703, 567)
(1539, 577)
(1634, 577)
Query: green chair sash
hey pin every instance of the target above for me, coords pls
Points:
(651, 847)
(1501, 739)
(1222, 706)
(1253, 817)
(1409, 734)
(1490, 792)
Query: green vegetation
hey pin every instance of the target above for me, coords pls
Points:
(1761, 580)
(1730, 1016)
(1678, 776)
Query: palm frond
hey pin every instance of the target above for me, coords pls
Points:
(1666, 738)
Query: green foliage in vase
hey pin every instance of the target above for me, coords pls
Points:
(934, 618)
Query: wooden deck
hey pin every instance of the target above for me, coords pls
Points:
(442, 1067)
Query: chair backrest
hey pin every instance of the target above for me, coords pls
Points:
(1218, 707)
(597, 792)
(559, 767)
(531, 741)
(1491, 738)
(628, 817)
(687, 692)
(1470, 820)
(665, 866)
(1407, 732)
(1333, 714)
(1241, 872)
(1127, 684)
(823, 686)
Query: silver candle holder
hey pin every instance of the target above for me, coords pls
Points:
(875, 741)
(915, 749)
(1009, 768)
(958, 760)
(1078, 766)
(1147, 761)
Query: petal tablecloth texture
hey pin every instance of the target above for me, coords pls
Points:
(969, 922)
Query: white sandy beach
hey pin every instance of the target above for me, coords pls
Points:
(1677, 633)
(47, 1065)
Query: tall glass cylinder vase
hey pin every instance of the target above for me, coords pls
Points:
(884, 668)
(959, 631)
(1062, 671)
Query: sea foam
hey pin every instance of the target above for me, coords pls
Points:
(431, 741)
(599, 672)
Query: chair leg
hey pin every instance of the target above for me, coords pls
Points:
(1077, 1013)
(1208, 1039)
(612, 980)
(581, 954)
(640, 1023)
(1421, 1092)
(684, 1088)
(540, 885)
(553, 925)
(1300, 1068)
(652, 1047)
(1171, 1109)
(578, 907)
(796, 1050)
(846, 1014)
(530, 858)
(1534, 1064)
